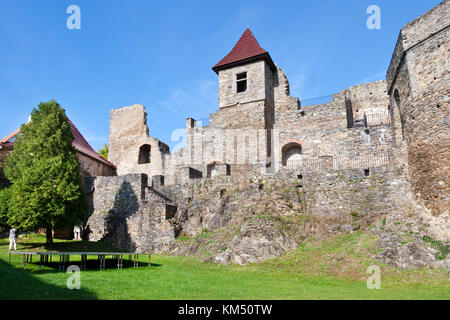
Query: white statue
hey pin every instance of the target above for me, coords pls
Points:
(77, 233)
(12, 239)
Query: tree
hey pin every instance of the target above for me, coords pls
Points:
(45, 175)
(104, 152)
(5, 196)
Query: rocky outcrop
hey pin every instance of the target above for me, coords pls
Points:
(232, 220)
(414, 254)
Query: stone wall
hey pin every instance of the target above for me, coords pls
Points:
(127, 213)
(250, 136)
(259, 84)
(322, 130)
(244, 115)
(369, 98)
(128, 132)
(93, 168)
(250, 129)
(244, 216)
(131, 215)
(355, 192)
(283, 100)
(370, 190)
(418, 84)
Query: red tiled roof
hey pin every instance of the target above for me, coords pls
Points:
(79, 143)
(245, 50)
(6, 139)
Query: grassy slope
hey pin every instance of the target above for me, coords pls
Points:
(334, 270)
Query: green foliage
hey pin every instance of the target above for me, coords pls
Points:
(355, 215)
(104, 152)
(45, 174)
(5, 196)
(443, 249)
(383, 223)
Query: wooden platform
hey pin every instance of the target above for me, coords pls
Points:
(64, 258)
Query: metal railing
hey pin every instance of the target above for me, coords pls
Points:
(377, 118)
(315, 101)
(363, 160)
(200, 123)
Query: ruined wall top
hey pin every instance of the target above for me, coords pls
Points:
(131, 120)
(368, 98)
(426, 25)
(417, 31)
(130, 146)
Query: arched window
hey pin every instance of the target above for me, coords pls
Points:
(145, 154)
(398, 117)
(397, 98)
(291, 154)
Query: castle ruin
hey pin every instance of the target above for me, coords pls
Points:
(397, 128)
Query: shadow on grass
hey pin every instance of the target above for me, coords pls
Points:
(63, 246)
(17, 284)
(92, 264)
(31, 245)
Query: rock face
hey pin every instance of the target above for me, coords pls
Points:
(414, 254)
(256, 241)
(228, 220)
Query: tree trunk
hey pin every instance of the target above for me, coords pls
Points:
(49, 235)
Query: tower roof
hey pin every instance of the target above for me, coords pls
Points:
(245, 50)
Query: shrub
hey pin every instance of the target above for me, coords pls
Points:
(443, 249)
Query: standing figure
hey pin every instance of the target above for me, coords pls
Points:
(77, 233)
(12, 239)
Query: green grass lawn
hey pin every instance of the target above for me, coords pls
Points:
(334, 270)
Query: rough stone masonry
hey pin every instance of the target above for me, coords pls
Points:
(373, 151)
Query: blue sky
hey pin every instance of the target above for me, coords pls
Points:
(160, 54)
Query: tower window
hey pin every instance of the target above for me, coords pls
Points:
(145, 154)
(241, 82)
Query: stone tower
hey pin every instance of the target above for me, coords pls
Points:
(131, 148)
(246, 92)
(418, 86)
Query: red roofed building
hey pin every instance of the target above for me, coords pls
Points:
(246, 50)
(91, 163)
(247, 81)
